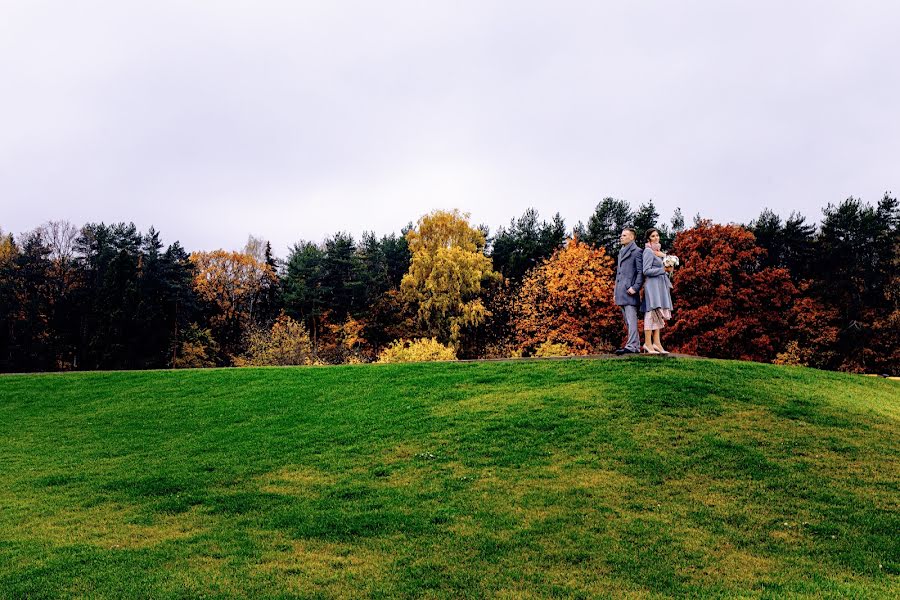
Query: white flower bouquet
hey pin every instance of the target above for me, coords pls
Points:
(670, 261)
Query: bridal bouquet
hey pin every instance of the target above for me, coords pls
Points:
(670, 260)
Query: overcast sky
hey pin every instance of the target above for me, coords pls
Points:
(293, 120)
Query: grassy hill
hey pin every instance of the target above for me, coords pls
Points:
(643, 477)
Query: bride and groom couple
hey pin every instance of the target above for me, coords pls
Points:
(643, 269)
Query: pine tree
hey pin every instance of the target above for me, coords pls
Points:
(304, 297)
(605, 226)
(788, 245)
(32, 336)
(526, 244)
(645, 218)
(677, 221)
(853, 273)
(340, 276)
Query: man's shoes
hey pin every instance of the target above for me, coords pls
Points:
(622, 351)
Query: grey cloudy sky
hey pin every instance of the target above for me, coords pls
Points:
(294, 120)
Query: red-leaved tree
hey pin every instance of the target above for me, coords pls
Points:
(726, 306)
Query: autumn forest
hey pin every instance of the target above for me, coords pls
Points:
(778, 289)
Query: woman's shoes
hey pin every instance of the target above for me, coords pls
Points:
(649, 351)
(659, 349)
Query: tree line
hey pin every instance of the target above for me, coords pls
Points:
(777, 289)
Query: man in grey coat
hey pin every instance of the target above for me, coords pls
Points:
(629, 278)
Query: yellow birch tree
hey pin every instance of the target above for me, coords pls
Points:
(445, 274)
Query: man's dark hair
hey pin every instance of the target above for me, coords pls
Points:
(632, 230)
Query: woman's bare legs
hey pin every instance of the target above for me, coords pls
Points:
(657, 341)
(648, 342)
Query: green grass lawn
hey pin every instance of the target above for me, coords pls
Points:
(643, 477)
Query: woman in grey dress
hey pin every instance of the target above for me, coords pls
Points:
(657, 298)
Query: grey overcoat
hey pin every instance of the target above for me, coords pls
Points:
(656, 283)
(629, 274)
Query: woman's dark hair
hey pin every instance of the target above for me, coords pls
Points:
(649, 232)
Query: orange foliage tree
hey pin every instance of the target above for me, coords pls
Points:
(233, 283)
(726, 305)
(569, 300)
(343, 342)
